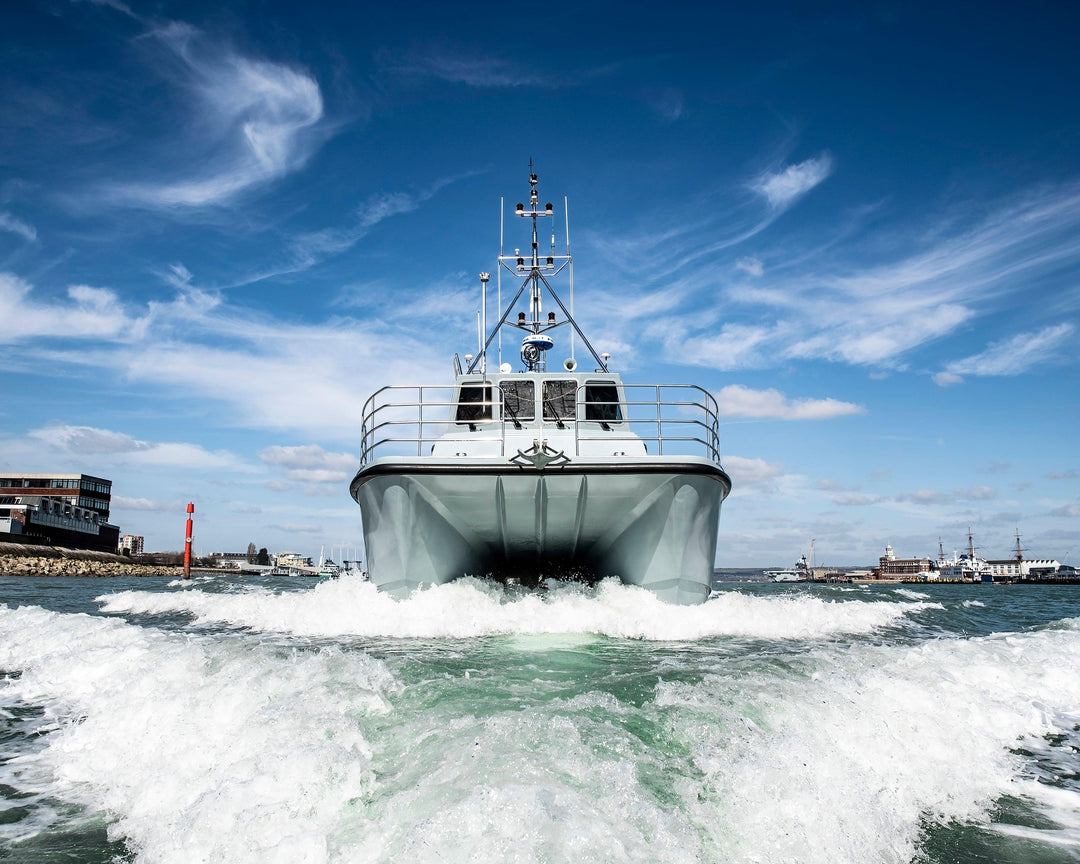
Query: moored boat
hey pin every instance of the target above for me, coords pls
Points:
(799, 573)
(526, 474)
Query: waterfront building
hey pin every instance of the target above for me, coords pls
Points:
(131, 544)
(892, 567)
(1011, 570)
(76, 490)
(70, 510)
(291, 559)
(229, 560)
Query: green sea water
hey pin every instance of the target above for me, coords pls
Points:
(300, 721)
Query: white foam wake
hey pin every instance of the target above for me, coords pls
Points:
(204, 750)
(220, 747)
(852, 764)
(470, 607)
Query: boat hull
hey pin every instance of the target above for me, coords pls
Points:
(651, 523)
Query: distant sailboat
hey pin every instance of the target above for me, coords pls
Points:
(328, 569)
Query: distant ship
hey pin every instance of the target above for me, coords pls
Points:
(799, 573)
(520, 475)
(965, 568)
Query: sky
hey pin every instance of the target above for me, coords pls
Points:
(223, 225)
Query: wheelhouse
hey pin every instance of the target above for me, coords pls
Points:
(520, 399)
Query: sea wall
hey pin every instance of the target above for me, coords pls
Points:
(20, 560)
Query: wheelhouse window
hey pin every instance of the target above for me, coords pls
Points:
(519, 400)
(559, 398)
(474, 403)
(602, 403)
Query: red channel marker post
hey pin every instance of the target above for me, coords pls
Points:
(187, 542)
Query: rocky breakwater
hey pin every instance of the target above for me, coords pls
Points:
(18, 560)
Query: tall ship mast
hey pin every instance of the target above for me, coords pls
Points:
(525, 474)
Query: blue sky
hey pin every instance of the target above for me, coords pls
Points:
(223, 225)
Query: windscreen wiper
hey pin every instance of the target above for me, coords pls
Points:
(554, 413)
(512, 413)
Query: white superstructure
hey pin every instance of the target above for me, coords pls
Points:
(526, 474)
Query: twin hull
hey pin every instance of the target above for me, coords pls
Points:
(651, 522)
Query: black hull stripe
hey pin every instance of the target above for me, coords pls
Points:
(372, 471)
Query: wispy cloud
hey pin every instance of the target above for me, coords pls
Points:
(976, 493)
(294, 528)
(92, 313)
(479, 70)
(252, 121)
(16, 226)
(738, 401)
(782, 188)
(111, 4)
(120, 502)
(751, 266)
(946, 379)
(667, 102)
(311, 463)
(119, 447)
(311, 247)
(876, 313)
(267, 372)
(1018, 353)
(752, 473)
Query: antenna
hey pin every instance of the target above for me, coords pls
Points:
(484, 277)
(535, 271)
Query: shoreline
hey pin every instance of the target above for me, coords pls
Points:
(40, 566)
(17, 559)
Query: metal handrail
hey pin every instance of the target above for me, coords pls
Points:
(414, 419)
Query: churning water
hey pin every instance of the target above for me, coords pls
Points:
(223, 720)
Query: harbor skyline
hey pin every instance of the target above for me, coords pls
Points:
(221, 231)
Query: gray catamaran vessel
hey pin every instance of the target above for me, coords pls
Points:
(524, 474)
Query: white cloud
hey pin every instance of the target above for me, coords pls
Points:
(117, 447)
(751, 473)
(1069, 511)
(667, 102)
(738, 401)
(946, 379)
(751, 266)
(877, 314)
(1019, 353)
(311, 464)
(119, 502)
(314, 246)
(855, 499)
(17, 226)
(782, 188)
(293, 528)
(474, 70)
(94, 313)
(112, 4)
(268, 373)
(922, 497)
(256, 121)
(976, 493)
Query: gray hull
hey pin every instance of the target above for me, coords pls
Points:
(650, 522)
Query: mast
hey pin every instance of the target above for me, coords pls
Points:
(535, 269)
